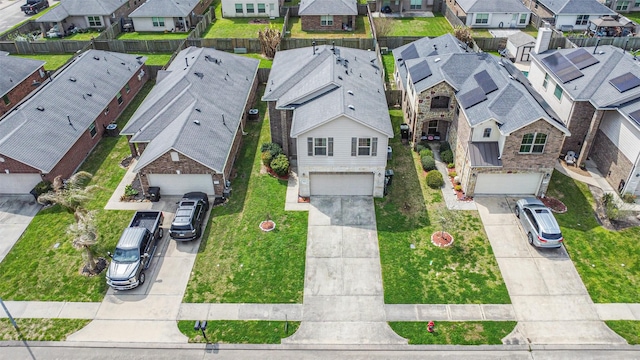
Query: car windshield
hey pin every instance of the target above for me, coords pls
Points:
(126, 255)
(557, 236)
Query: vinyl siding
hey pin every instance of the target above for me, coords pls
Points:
(623, 134)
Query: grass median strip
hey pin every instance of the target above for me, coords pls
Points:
(240, 332)
(40, 329)
(455, 333)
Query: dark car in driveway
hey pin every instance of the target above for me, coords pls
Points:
(190, 216)
(538, 223)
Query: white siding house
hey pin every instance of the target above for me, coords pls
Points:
(494, 14)
(248, 8)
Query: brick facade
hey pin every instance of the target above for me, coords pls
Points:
(280, 123)
(313, 23)
(611, 162)
(419, 114)
(578, 124)
(21, 90)
(15, 166)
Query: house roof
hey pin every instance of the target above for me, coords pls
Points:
(521, 38)
(165, 8)
(609, 21)
(444, 44)
(487, 90)
(483, 154)
(50, 122)
(594, 82)
(195, 108)
(328, 7)
(15, 70)
(493, 6)
(81, 8)
(576, 7)
(324, 84)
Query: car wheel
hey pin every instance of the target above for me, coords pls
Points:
(517, 211)
(160, 233)
(142, 278)
(35, 11)
(530, 237)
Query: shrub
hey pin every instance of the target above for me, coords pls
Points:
(130, 191)
(426, 152)
(451, 165)
(273, 148)
(266, 158)
(452, 174)
(458, 188)
(434, 179)
(628, 198)
(280, 165)
(419, 148)
(42, 187)
(446, 156)
(444, 146)
(428, 163)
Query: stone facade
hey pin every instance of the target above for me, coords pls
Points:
(579, 122)
(419, 114)
(313, 23)
(610, 160)
(21, 90)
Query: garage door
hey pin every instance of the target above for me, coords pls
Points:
(341, 184)
(508, 183)
(174, 184)
(18, 183)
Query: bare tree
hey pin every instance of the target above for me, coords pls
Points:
(85, 235)
(383, 25)
(269, 41)
(72, 194)
(463, 34)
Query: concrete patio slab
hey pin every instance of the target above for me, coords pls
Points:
(615, 312)
(130, 331)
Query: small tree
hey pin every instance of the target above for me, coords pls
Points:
(384, 26)
(463, 34)
(84, 235)
(269, 41)
(71, 195)
(434, 179)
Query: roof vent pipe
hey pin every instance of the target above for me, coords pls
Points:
(313, 44)
(69, 119)
(223, 123)
(186, 61)
(333, 47)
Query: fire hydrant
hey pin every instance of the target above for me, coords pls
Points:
(430, 326)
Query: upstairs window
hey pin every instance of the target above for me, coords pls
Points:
(119, 97)
(523, 19)
(364, 146)
(486, 133)
(623, 6)
(545, 82)
(92, 129)
(320, 146)
(533, 143)
(440, 102)
(558, 92)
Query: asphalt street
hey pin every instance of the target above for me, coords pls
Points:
(11, 15)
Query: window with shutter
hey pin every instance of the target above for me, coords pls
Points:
(374, 146)
(310, 146)
(330, 147)
(354, 146)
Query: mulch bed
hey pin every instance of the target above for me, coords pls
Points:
(101, 264)
(272, 173)
(441, 239)
(302, 199)
(126, 162)
(554, 204)
(258, 21)
(267, 225)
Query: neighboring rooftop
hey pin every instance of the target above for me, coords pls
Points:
(165, 8)
(68, 8)
(15, 70)
(521, 38)
(493, 6)
(576, 7)
(195, 107)
(43, 129)
(328, 7)
(325, 82)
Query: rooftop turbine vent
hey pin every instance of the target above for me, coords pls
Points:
(352, 107)
(350, 92)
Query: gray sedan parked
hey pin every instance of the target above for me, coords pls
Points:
(538, 223)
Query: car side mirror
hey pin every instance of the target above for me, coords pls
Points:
(146, 255)
(110, 254)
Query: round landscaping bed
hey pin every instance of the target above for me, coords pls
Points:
(267, 225)
(441, 239)
(554, 204)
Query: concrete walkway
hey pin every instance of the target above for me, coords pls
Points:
(343, 299)
(114, 202)
(550, 301)
(16, 213)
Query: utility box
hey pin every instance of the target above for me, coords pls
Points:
(389, 152)
(154, 193)
(388, 176)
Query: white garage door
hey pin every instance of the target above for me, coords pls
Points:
(18, 183)
(508, 183)
(174, 184)
(341, 184)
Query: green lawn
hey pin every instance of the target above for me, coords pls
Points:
(53, 274)
(53, 61)
(633, 16)
(86, 36)
(40, 329)
(608, 261)
(465, 273)
(240, 332)
(362, 30)
(156, 59)
(455, 333)
(264, 62)
(420, 26)
(237, 262)
(151, 35)
(629, 330)
(238, 27)
(389, 67)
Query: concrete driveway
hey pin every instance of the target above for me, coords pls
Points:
(550, 301)
(16, 212)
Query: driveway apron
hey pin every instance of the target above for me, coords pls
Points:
(550, 301)
(343, 296)
(16, 212)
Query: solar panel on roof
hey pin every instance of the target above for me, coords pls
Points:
(635, 116)
(420, 71)
(561, 67)
(472, 97)
(409, 53)
(625, 82)
(582, 59)
(485, 81)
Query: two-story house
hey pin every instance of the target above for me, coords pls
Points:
(596, 93)
(567, 15)
(328, 110)
(19, 78)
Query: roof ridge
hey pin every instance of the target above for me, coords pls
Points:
(614, 59)
(304, 71)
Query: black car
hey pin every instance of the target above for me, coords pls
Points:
(192, 210)
(386, 9)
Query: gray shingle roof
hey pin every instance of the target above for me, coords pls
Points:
(214, 86)
(324, 86)
(594, 86)
(165, 8)
(512, 105)
(576, 7)
(445, 44)
(328, 7)
(631, 108)
(521, 38)
(15, 70)
(41, 138)
(81, 8)
(493, 6)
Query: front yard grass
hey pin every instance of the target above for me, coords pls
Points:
(40, 329)
(53, 61)
(264, 62)
(362, 30)
(455, 333)
(241, 332)
(152, 35)
(35, 269)
(227, 28)
(608, 261)
(629, 330)
(420, 26)
(465, 273)
(237, 262)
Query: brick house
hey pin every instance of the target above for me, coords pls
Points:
(186, 134)
(596, 94)
(505, 139)
(412, 6)
(55, 129)
(19, 78)
(328, 15)
(168, 15)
